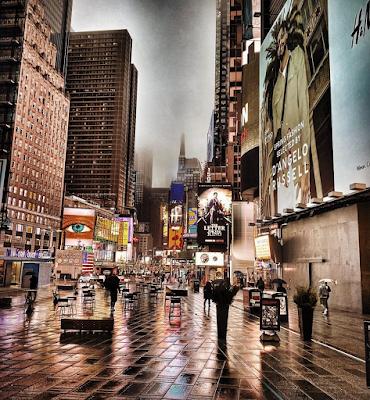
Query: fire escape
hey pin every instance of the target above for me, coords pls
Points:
(12, 19)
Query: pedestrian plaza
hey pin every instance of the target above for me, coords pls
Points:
(151, 356)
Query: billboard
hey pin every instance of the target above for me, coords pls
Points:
(242, 233)
(296, 156)
(349, 24)
(177, 193)
(78, 225)
(175, 238)
(192, 224)
(107, 229)
(214, 212)
(126, 230)
(175, 215)
(212, 259)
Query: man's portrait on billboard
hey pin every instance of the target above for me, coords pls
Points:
(285, 123)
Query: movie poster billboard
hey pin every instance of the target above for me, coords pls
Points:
(349, 38)
(214, 212)
(78, 225)
(296, 156)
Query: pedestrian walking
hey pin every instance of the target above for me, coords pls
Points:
(112, 284)
(260, 284)
(324, 291)
(207, 293)
(33, 286)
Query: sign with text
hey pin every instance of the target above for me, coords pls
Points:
(214, 212)
(270, 314)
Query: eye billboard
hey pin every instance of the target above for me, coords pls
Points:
(78, 225)
(214, 212)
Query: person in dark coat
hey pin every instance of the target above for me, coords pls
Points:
(281, 288)
(112, 284)
(33, 285)
(207, 293)
(260, 284)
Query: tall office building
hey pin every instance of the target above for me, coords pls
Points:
(159, 201)
(102, 86)
(58, 15)
(130, 175)
(189, 169)
(34, 124)
(144, 175)
(228, 83)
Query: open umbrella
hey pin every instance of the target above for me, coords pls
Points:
(326, 280)
(277, 280)
(29, 273)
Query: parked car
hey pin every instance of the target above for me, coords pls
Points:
(85, 278)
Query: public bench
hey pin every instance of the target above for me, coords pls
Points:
(65, 287)
(87, 324)
(5, 301)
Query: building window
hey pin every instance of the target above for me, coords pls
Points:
(318, 46)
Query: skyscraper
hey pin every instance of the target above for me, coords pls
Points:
(144, 175)
(102, 85)
(58, 15)
(228, 83)
(189, 169)
(34, 124)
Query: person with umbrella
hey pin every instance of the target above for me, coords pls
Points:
(280, 288)
(324, 291)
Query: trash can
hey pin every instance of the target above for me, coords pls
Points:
(196, 286)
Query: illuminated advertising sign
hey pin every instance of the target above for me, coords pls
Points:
(107, 229)
(126, 230)
(211, 259)
(349, 38)
(175, 217)
(121, 256)
(175, 238)
(177, 193)
(296, 157)
(262, 246)
(78, 225)
(165, 221)
(193, 217)
(192, 224)
(214, 212)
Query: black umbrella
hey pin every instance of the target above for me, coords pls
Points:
(29, 273)
(277, 280)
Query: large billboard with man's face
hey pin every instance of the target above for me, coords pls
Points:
(214, 212)
(314, 101)
(295, 119)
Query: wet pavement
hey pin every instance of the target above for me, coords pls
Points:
(149, 356)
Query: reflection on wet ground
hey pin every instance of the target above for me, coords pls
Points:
(147, 357)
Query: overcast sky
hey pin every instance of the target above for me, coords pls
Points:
(173, 49)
